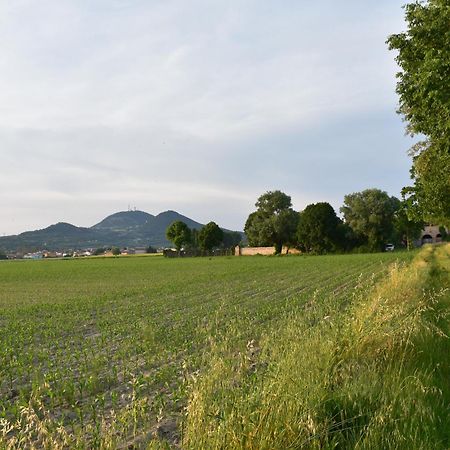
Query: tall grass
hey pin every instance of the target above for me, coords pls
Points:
(371, 375)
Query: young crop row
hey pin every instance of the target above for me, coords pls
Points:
(102, 353)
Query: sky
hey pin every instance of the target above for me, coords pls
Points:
(197, 106)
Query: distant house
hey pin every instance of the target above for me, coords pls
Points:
(430, 235)
(37, 255)
(49, 254)
(134, 251)
(82, 253)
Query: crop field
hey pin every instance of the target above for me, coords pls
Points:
(163, 353)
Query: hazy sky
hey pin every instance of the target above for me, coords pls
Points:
(196, 106)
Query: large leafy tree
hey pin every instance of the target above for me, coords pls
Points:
(424, 92)
(179, 233)
(318, 228)
(258, 230)
(210, 236)
(370, 214)
(273, 223)
(407, 229)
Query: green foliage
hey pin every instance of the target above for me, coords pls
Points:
(194, 239)
(347, 239)
(210, 236)
(430, 195)
(273, 202)
(258, 230)
(273, 223)
(406, 229)
(317, 229)
(444, 234)
(99, 251)
(115, 251)
(424, 59)
(370, 214)
(150, 249)
(179, 233)
(231, 239)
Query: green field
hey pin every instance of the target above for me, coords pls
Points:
(138, 352)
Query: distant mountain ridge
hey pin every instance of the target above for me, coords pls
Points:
(122, 229)
(124, 219)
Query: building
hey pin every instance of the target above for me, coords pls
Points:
(431, 235)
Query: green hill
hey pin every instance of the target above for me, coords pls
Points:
(123, 220)
(122, 229)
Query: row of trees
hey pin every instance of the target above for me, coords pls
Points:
(423, 88)
(371, 219)
(208, 237)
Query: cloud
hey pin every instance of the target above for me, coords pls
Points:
(198, 106)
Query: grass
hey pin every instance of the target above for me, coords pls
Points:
(255, 352)
(372, 376)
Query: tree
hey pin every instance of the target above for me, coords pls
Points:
(178, 233)
(444, 233)
(423, 89)
(258, 230)
(347, 239)
(231, 239)
(406, 229)
(273, 223)
(211, 235)
(317, 229)
(370, 214)
(194, 244)
(115, 251)
(273, 202)
(430, 195)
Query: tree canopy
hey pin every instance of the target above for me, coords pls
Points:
(406, 229)
(370, 214)
(210, 236)
(273, 223)
(178, 233)
(424, 94)
(318, 228)
(231, 238)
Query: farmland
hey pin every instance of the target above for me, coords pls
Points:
(137, 352)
